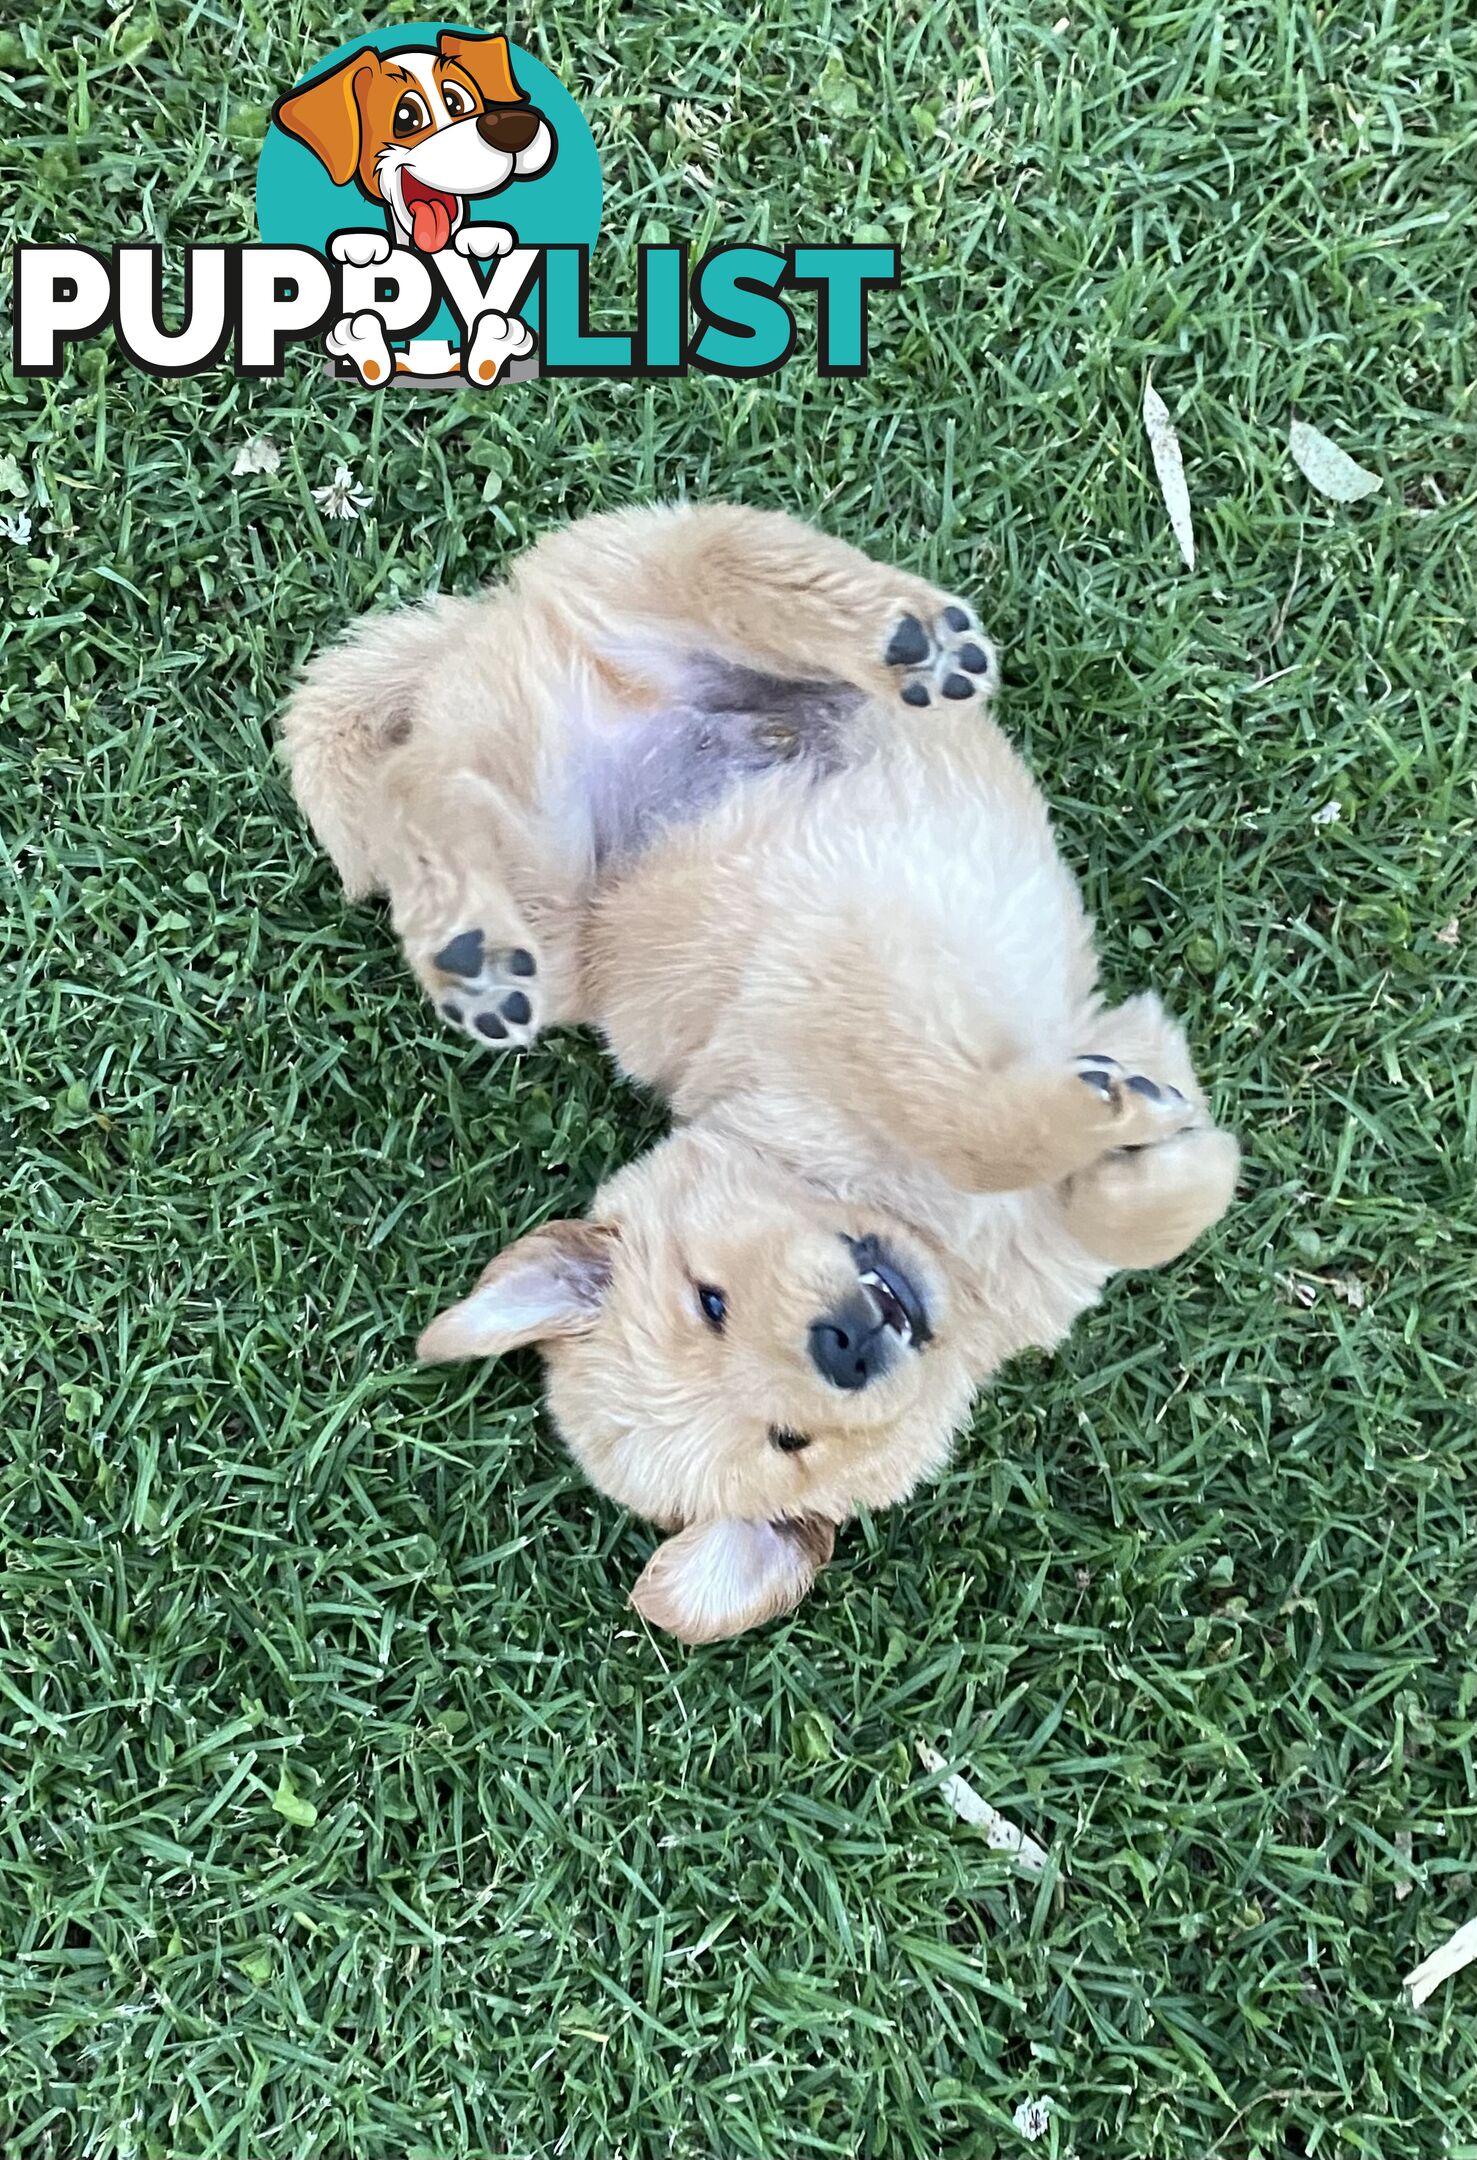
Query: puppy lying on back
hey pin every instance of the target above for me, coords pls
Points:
(731, 792)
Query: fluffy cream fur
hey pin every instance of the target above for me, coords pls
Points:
(678, 780)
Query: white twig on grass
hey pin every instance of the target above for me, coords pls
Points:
(1169, 470)
(1458, 1950)
(1000, 1833)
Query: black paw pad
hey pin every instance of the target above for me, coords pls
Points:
(1100, 1082)
(973, 659)
(488, 1024)
(958, 618)
(1142, 1085)
(914, 693)
(958, 686)
(908, 645)
(463, 956)
(516, 1008)
(521, 962)
(450, 1011)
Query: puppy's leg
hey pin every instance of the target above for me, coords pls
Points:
(765, 590)
(952, 1092)
(1127, 1139)
(1025, 1126)
(465, 937)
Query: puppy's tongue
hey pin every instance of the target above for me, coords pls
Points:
(430, 224)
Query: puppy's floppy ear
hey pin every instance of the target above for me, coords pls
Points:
(719, 1578)
(551, 1282)
(488, 62)
(325, 114)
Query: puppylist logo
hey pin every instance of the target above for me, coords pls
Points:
(429, 198)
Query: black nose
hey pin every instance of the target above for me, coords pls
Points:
(850, 1346)
(511, 130)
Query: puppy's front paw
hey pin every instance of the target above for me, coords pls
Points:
(483, 242)
(948, 657)
(1137, 1112)
(362, 249)
(488, 991)
(1139, 1206)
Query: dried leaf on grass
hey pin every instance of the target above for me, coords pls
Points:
(1327, 468)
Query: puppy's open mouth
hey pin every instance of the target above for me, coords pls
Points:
(431, 211)
(894, 1293)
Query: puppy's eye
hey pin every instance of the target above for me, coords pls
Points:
(410, 115)
(458, 102)
(714, 1305)
(788, 1443)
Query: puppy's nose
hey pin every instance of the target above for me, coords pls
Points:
(850, 1346)
(512, 129)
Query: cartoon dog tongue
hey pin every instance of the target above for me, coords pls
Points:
(430, 223)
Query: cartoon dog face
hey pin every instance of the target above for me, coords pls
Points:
(421, 131)
(736, 1356)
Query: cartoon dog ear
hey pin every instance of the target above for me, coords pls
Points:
(325, 114)
(719, 1578)
(488, 62)
(551, 1282)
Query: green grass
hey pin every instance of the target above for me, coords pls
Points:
(346, 1815)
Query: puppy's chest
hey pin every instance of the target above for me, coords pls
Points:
(634, 777)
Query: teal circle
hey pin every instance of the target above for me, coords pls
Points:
(297, 204)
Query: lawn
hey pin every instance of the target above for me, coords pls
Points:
(347, 1815)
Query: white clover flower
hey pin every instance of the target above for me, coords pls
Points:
(16, 526)
(1032, 2118)
(342, 499)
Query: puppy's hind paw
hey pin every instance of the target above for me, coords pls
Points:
(496, 341)
(360, 341)
(948, 657)
(488, 991)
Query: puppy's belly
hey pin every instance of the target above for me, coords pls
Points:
(726, 725)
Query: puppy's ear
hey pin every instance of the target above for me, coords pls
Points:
(488, 62)
(550, 1283)
(719, 1578)
(325, 114)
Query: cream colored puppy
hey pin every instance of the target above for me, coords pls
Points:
(730, 792)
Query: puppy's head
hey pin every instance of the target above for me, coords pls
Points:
(736, 1356)
(421, 131)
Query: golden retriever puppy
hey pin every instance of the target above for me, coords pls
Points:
(731, 792)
